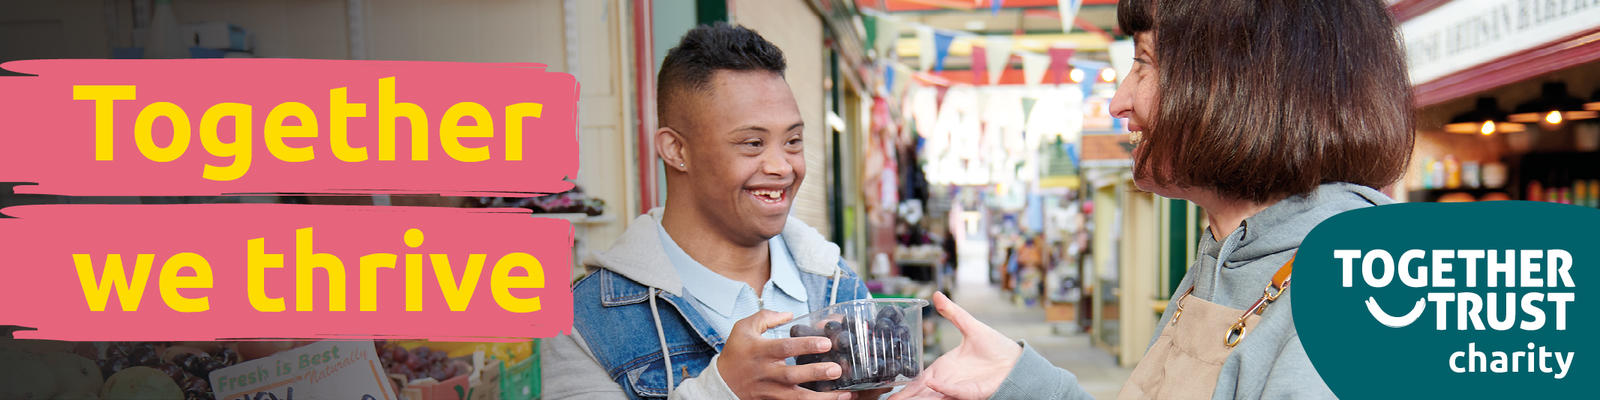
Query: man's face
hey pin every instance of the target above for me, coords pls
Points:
(746, 158)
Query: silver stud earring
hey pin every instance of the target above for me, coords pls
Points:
(680, 165)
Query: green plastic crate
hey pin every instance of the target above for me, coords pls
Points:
(521, 381)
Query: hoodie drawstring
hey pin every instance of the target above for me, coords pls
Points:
(661, 335)
(834, 297)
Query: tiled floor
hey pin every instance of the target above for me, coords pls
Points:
(1096, 369)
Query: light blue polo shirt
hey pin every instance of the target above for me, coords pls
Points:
(723, 301)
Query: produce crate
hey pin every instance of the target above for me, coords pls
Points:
(520, 381)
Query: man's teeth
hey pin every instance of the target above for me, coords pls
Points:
(771, 194)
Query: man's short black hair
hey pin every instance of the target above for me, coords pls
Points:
(704, 50)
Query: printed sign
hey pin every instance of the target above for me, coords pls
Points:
(322, 370)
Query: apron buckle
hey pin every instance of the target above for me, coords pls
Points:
(1235, 333)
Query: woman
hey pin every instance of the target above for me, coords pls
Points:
(1270, 115)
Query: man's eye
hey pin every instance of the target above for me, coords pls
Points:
(752, 143)
(794, 142)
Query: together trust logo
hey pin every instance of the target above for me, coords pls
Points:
(1474, 290)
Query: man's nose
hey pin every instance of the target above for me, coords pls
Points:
(774, 162)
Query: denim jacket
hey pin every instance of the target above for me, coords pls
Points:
(630, 310)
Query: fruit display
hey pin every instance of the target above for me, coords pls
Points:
(876, 342)
(187, 365)
(111, 370)
(418, 364)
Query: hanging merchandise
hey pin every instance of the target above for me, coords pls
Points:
(166, 38)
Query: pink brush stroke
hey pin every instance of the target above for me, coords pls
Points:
(48, 137)
(41, 288)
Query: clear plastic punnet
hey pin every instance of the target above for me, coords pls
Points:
(876, 342)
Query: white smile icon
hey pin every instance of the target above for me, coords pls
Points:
(1395, 322)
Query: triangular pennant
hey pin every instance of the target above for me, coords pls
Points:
(995, 6)
(902, 82)
(1121, 52)
(999, 57)
(924, 48)
(1061, 63)
(980, 64)
(870, 22)
(888, 34)
(941, 48)
(888, 79)
(1069, 13)
(1033, 68)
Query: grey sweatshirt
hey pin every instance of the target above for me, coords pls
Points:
(1270, 362)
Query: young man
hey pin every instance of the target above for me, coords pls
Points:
(678, 306)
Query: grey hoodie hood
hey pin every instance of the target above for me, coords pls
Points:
(1265, 241)
(638, 254)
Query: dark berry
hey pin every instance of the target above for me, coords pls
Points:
(173, 371)
(831, 328)
(892, 313)
(842, 342)
(228, 355)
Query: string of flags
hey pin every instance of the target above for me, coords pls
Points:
(990, 57)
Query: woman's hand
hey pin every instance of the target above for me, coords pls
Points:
(974, 369)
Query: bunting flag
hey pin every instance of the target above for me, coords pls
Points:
(1069, 13)
(941, 47)
(980, 64)
(1121, 52)
(902, 81)
(1027, 105)
(995, 6)
(999, 57)
(888, 79)
(924, 48)
(870, 23)
(1033, 67)
(1061, 63)
(888, 34)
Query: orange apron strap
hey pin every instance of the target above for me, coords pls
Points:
(1279, 284)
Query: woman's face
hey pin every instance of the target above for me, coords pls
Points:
(1138, 100)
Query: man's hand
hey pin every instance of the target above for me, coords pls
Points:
(753, 366)
(974, 369)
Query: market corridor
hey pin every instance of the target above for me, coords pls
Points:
(1096, 368)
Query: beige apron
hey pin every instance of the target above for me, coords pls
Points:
(1186, 359)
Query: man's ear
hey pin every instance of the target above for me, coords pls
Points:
(673, 149)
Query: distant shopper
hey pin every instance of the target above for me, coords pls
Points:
(1270, 115)
(677, 307)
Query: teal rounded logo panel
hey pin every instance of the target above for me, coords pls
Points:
(1468, 300)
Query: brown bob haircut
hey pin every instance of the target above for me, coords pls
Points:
(1261, 99)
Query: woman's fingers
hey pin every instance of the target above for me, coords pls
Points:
(914, 390)
(963, 321)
